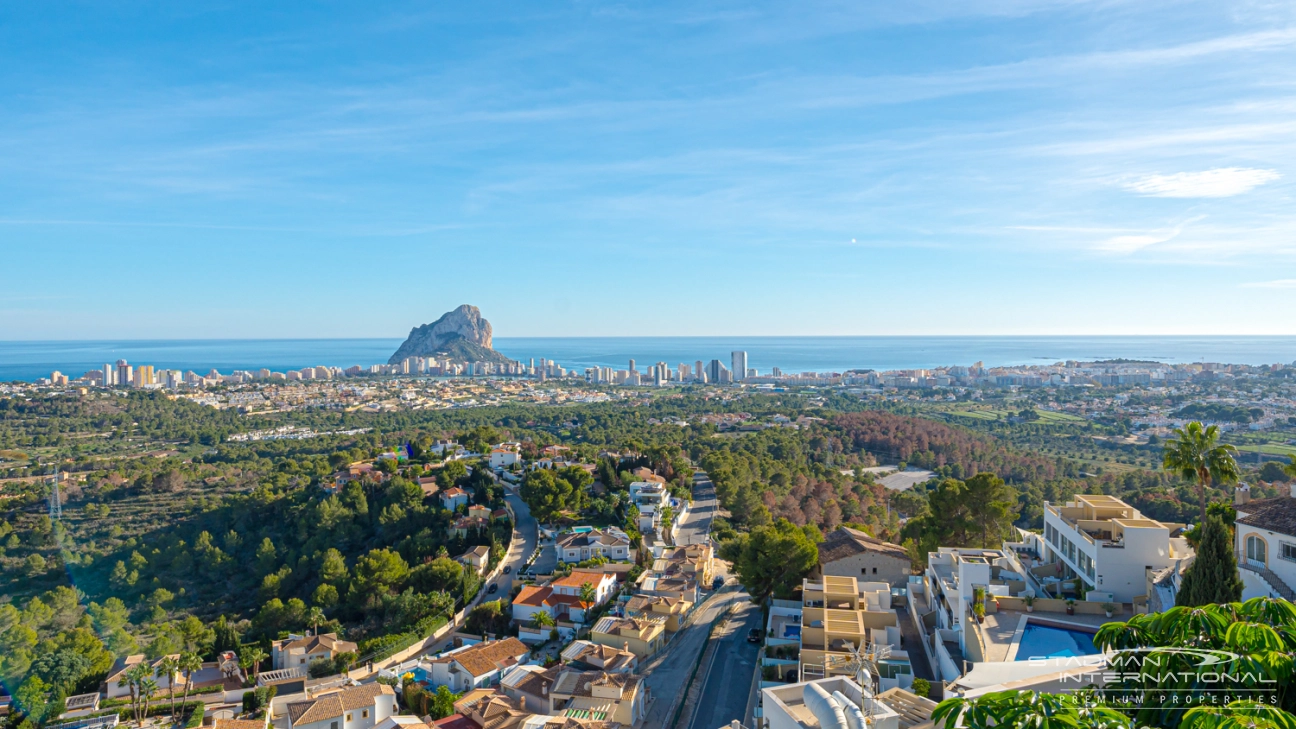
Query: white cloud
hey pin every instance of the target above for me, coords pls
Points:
(1139, 241)
(1282, 283)
(1219, 182)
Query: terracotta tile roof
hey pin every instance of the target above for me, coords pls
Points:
(455, 721)
(334, 704)
(483, 658)
(847, 542)
(311, 643)
(1276, 514)
(533, 596)
(579, 577)
(591, 538)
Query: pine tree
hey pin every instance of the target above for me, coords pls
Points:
(1213, 576)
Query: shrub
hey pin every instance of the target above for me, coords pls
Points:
(921, 687)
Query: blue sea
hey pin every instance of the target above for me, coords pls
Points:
(29, 360)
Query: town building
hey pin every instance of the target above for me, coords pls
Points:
(453, 498)
(673, 610)
(477, 665)
(1108, 546)
(122, 665)
(612, 544)
(297, 650)
(642, 636)
(585, 655)
(358, 707)
(478, 558)
(840, 615)
(1265, 531)
(849, 552)
(612, 697)
(835, 702)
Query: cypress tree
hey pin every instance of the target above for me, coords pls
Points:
(1212, 578)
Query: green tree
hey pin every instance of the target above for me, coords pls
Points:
(377, 572)
(35, 565)
(315, 617)
(1213, 575)
(1013, 709)
(991, 507)
(772, 560)
(1196, 454)
(443, 702)
(450, 474)
(1148, 659)
(545, 494)
(224, 636)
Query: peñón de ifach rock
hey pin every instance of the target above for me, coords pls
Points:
(462, 335)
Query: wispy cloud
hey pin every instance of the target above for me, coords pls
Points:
(1219, 182)
(1282, 283)
(1131, 243)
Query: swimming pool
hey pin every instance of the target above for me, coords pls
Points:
(1047, 641)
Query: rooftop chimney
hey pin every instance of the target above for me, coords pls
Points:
(1242, 494)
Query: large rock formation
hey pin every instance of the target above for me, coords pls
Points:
(462, 335)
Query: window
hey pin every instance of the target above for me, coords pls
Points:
(1289, 551)
(333, 725)
(875, 570)
(348, 717)
(1255, 549)
(364, 714)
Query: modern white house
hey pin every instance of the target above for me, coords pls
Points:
(1266, 544)
(1108, 547)
(651, 499)
(502, 457)
(827, 703)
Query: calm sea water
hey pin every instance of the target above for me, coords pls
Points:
(30, 360)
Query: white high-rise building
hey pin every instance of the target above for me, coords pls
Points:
(739, 365)
(699, 370)
(109, 376)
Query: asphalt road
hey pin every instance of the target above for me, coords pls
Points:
(696, 526)
(525, 535)
(728, 683)
(667, 672)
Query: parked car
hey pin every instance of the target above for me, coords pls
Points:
(717, 583)
(754, 635)
(508, 569)
(491, 590)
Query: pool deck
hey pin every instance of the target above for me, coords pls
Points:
(1001, 629)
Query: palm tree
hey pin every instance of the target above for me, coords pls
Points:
(147, 688)
(190, 663)
(1196, 454)
(587, 595)
(254, 655)
(315, 617)
(132, 679)
(542, 620)
(168, 667)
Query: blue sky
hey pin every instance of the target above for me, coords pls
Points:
(692, 168)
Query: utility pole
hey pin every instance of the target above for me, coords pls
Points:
(55, 499)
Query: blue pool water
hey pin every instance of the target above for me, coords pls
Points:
(1045, 641)
(582, 529)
